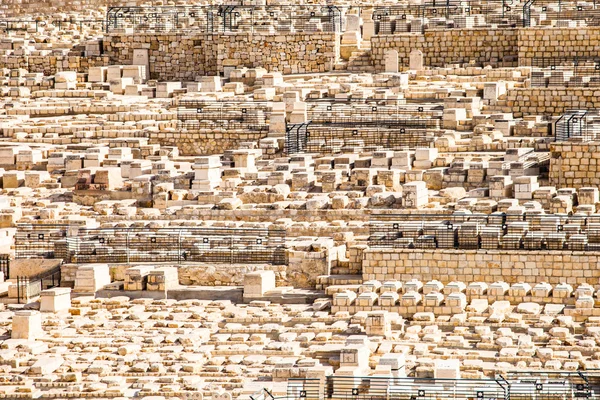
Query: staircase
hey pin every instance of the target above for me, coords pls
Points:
(360, 61)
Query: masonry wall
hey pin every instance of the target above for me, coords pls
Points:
(575, 164)
(548, 101)
(557, 42)
(481, 265)
(205, 141)
(50, 65)
(180, 57)
(496, 47)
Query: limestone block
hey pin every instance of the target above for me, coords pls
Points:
(584, 301)
(388, 299)
(415, 60)
(391, 61)
(498, 289)
(27, 325)
(529, 308)
(477, 289)
(355, 356)
(366, 299)
(584, 290)
(433, 299)
(46, 365)
(55, 299)
(91, 278)
(456, 299)
(391, 286)
(432, 286)
(345, 298)
(410, 299)
(370, 286)
(378, 323)
(562, 290)
(257, 283)
(454, 287)
(542, 289)
(413, 285)
(520, 289)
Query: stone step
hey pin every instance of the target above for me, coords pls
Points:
(344, 279)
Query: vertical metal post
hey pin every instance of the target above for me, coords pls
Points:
(179, 247)
(127, 244)
(231, 249)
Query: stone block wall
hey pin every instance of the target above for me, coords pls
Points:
(181, 57)
(50, 65)
(557, 42)
(547, 101)
(496, 47)
(575, 164)
(204, 141)
(488, 266)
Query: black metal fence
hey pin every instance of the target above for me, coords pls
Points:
(132, 245)
(482, 231)
(297, 138)
(38, 241)
(341, 127)
(578, 125)
(520, 385)
(565, 72)
(18, 24)
(195, 114)
(5, 265)
(553, 384)
(560, 13)
(447, 14)
(28, 287)
(228, 18)
(371, 388)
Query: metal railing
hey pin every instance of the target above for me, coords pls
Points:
(482, 231)
(195, 114)
(228, 18)
(560, 13)
(565, 72)
(16, 24)
(133, 245)
(518, 385)
(553, 385)
(393, 388)
(5, 265)
(38, 241)
(28, 287)
(446, 15)
(297, 138)
(335, 128)
(578, 125)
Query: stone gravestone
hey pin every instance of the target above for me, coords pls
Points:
(221, 395)
(140, 57)
(352, 23)
(391, 61)
(27, 324)
(416, 60)
(368, 29)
